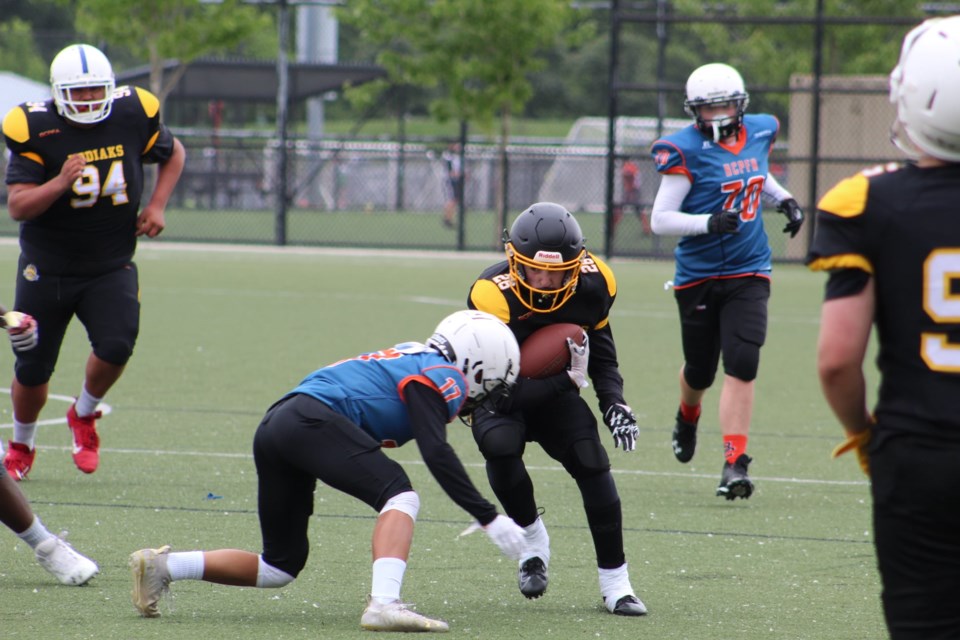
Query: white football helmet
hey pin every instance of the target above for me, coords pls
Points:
(77, 66)
(484, 349)
(925, 87)
(716, 84)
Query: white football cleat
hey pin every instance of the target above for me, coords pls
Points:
(60, 559)
(395, 616)
(151, 579)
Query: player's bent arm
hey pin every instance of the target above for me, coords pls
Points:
(427, 412)
(167, 176)
(845, 325)
(26, 201)
(667, 219)
(772, 188)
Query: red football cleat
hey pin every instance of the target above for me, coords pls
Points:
(86, 442)
(19, 460)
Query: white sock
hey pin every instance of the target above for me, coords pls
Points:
(86, 403)
(537, 542)
(35, 533)
(25, 433)
(185, 565)
(387, 579)
(614, 584)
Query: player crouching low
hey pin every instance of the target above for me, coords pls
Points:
(331, 428)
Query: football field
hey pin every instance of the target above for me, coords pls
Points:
(226, 331)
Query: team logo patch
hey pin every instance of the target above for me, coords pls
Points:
(30, 273)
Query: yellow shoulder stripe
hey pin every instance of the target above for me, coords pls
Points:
(848, 198)
(486, 296)
(150, 143)
(149, 101)
(842, 261)
(15, 125)
(607, 274)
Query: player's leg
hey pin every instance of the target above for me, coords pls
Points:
(700, 339)
(502, 441)
(109, 308)
(567, 430)
(916, 516)
(51, 304)
(743, 328)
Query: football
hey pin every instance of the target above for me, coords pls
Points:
(545, 352)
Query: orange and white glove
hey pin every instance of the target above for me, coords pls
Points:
(21, 329)
(856, 442)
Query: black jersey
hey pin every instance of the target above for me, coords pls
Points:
(588, 307)
(91, 228)
(901, 225)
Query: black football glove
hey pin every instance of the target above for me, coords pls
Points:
(794, 213)
(622, 423)
(726, 221)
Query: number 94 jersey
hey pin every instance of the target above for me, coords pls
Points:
(900, 224)
(92, 227)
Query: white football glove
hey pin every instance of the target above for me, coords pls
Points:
(22, 331)
(507, 535)
(579, 357)
(622, 423)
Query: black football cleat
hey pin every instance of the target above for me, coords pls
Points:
(533, 578)
(629, 606)
(684, 439)
(734, 482)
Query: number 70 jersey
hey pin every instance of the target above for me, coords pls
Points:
(721, 177)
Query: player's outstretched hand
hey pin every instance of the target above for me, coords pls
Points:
(507, 535)
(579, 357)
(726, 221)
(794, 213)
(22, 331)
(622, 423)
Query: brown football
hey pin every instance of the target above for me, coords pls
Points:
(545, 352)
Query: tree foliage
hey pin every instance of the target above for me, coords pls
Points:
(19, 51)
(159, 30)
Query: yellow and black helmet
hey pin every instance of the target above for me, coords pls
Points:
(546, 236)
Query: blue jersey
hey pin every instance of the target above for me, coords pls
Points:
(368, 389)
(722, 177)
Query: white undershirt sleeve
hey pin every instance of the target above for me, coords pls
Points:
(666, 219)
(775, 190)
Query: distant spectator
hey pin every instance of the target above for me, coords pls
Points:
(451, 158)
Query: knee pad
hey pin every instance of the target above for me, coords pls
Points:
(33, 374)
(586, 458)
(698, 378)
(408, 502)
(502, 442)
(743, 361)
(269, 577)
(114, 350)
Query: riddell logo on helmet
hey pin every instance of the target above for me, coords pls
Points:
(552, 257)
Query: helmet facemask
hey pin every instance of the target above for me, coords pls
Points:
(542, 300)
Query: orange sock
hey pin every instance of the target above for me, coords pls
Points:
(733, 446)
(689, 412)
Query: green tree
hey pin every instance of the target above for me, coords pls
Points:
(18, 51)
(480, 54)
(159, 30)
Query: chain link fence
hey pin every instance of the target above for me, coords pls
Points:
(392, 193)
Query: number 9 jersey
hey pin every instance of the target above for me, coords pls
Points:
(91, 228)
(899, 224)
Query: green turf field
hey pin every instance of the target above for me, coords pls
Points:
(226, 332)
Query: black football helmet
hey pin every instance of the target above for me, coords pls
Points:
(545, 236)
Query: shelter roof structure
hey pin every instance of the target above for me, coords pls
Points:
(254, 80)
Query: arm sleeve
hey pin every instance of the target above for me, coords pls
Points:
(775, 190)
(428, 419)
(603, 368)
(666, 218)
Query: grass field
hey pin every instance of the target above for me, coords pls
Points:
(225, 332)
